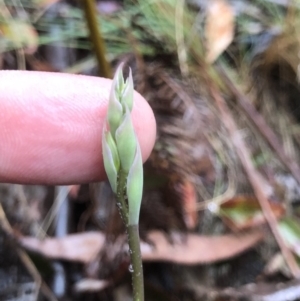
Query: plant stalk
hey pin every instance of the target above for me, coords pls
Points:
(96, 37)
(121, 197)
(136, 267)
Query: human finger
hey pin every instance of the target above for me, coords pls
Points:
(51, 127)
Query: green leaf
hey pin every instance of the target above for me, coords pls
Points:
(243, 212)
(289, 229)
(135, 187)
(110, 159)
(126, 142)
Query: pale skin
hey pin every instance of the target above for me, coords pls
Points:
(51, 127)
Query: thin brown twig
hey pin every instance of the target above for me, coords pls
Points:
(90, 10)
(253, 176)
(262, 127)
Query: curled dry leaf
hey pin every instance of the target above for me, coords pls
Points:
(194, 249)
(219, 28)
(189, 200)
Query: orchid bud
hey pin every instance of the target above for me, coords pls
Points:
(126, 141)
(135, 187)
(121, 151)
(127, 95)
(119, 79)
(113, 147)
(110, 158)
(115, 110)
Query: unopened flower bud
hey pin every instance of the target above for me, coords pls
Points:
(126, 141)
(121, 151)
(115, 110)
(110, 158)
(119, 79)
(127, 94)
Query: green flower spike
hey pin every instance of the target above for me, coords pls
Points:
(124, 167)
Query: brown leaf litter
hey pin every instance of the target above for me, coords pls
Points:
(193, 249)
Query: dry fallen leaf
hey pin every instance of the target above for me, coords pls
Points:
(243, 212)
(189, 200)
(194, 249)
(219, 28)
(90, 285)
(81, 247)
(198, 249)
(275, 265)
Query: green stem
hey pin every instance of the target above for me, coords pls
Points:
(96, 37)
(133, 241)
(136, 262)
(121, 197)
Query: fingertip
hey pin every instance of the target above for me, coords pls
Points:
(52, 126)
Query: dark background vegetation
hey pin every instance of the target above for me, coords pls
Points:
(220, 211)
